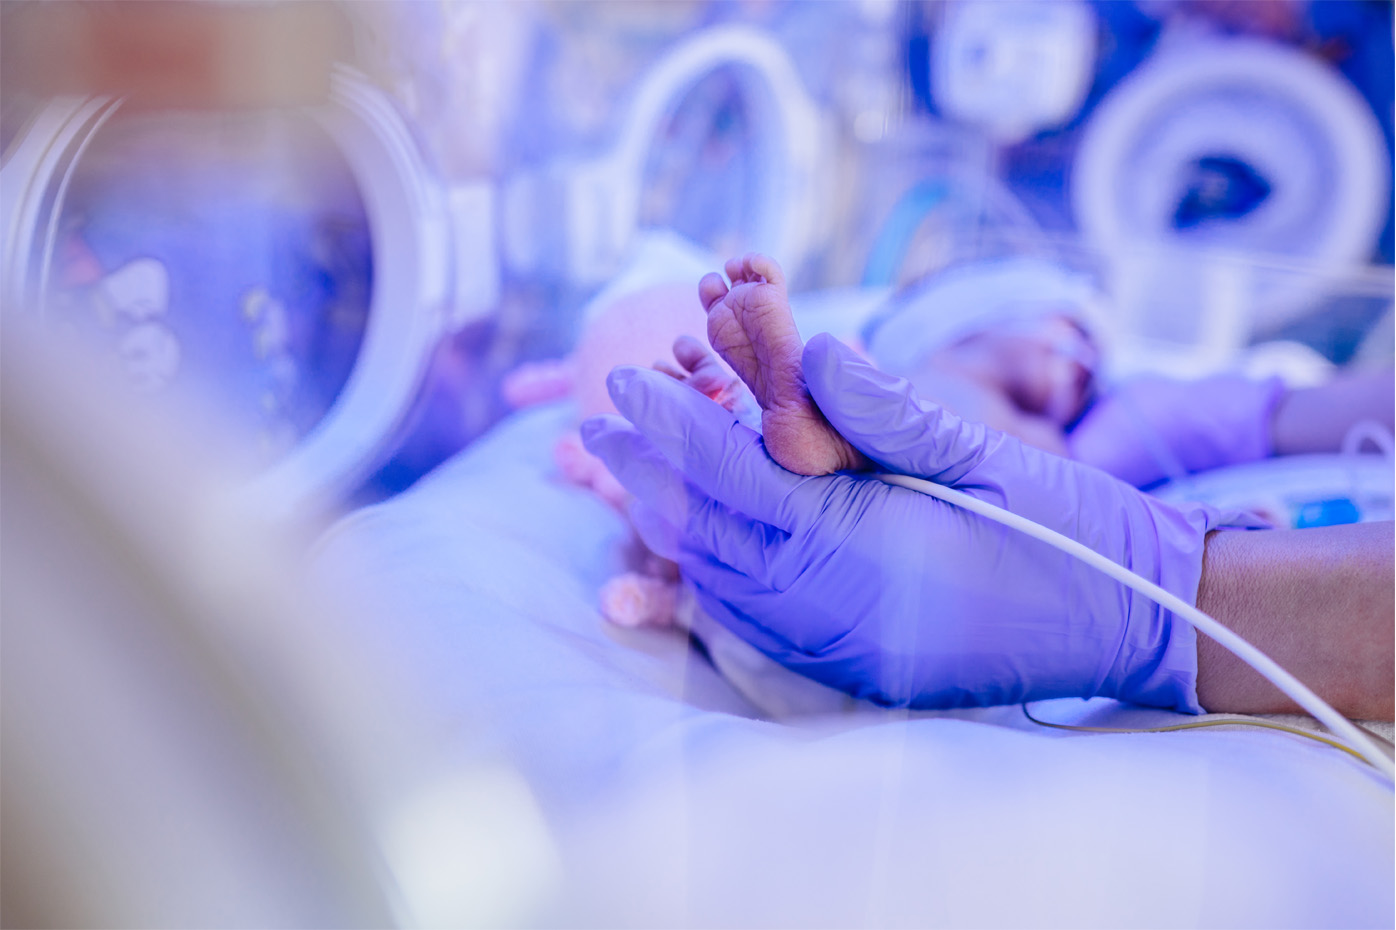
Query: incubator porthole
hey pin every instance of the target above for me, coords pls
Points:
(1241, 146)
(223, 254)
(700, 177)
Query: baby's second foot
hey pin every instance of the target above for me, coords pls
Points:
(705, 372)
(751, 327)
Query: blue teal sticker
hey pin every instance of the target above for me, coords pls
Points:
(1333, 512)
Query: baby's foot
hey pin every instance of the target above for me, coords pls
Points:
(702, 371)
(751, 327)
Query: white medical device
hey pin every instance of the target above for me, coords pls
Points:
(1298, 491)
(1218, 153)
(1011, 67)
(582, 216)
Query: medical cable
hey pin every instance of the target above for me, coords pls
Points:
(1210, 722)
(1296, 690)
(1368, 431)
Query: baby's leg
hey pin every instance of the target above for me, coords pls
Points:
(751, 327)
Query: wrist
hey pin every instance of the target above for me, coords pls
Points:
(1317, 601)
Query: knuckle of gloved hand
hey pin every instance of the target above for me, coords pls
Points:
(684, 509)
(844, 636)
(803, 504)
(730, 461)
(702, 519)
(786, 567)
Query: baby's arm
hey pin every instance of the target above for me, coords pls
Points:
(1318, 419)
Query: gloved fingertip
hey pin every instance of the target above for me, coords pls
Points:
(819, 346)
(822, 342)
(824, 351)
(655, 403)
(830, 368)
(620, 380)
(595, 429)
(880, 414)
(658, 529)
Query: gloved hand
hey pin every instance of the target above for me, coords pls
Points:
(892, 595)
(1151, 428)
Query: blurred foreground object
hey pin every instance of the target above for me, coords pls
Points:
(175, 55)
(150, 777)
(193, 735)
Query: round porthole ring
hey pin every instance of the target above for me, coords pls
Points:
(411, 235)
(1328, 99)
(49, 148)
(410, 232)
(604, 195)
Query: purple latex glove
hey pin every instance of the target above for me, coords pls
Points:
(898, 597)
(1152, 428)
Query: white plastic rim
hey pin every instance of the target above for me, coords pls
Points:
(604, 195)
(33, 181)
(1338, 138)
(410, 230)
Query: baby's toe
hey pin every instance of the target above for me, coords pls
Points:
(711, 289)
(766, 267)
(734, 270)
(670, 369)
(689, 352)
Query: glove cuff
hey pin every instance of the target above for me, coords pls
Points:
(1157, 662)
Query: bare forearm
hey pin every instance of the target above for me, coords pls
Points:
(1316, 419)
(1317, 601)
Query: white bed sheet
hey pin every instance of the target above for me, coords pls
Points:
(670, 801)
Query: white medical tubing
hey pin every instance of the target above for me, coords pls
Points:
(1252, 656)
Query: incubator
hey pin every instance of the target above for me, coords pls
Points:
(421, 717)
(1298, 491)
